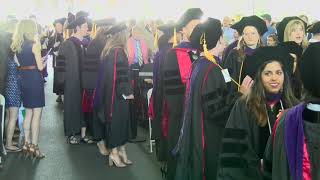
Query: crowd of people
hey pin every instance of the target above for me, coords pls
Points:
(230, 99)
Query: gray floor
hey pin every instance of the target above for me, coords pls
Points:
(74, 162)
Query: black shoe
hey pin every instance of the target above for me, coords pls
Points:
(59, 99)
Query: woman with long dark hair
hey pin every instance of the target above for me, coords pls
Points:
(253, 116)
(293, 149)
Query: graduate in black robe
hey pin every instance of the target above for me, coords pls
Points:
(285, 30)
(175, 70)
(54, 44)
(253, 116)
(156, 103)
(113, 93)
(293, 149)
(72, 50)
(246, 46)
(207, 107)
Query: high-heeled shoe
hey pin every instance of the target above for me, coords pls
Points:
(124, 157)
(116, 161)
(35, 151)
(25, 148)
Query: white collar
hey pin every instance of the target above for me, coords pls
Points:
(313, 107)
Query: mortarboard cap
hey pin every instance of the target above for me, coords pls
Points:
(314, 28)
(61, 21)
(254, 62)
(77, 22)
(82, 14)
(309, 66)
(189, 15)
(283, 24)
(292, 47)
(167, 29)
(266, 17)
(105, 22)
(210, 30)
(117, 28)
(254, 21)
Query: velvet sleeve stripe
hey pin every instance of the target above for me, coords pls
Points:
(169, 73)
(60, 64)
(122, 79)
(61, 57)
(122, 72)
(233, 162)
(92, 56)
(233, 133)
(175, 90)
(172, 82)
(234, 147)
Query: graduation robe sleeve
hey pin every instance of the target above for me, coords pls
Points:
(122, 75)
(207, 109)
(240, 145)
(233, 65)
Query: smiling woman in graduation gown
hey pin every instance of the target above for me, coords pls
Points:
(253, 116)
(251, 29)
(293, 149)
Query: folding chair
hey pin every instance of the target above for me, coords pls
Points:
(2, 104)
(151, 141)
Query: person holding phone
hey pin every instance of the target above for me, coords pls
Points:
(27, 50)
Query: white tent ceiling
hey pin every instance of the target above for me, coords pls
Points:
(46, 10)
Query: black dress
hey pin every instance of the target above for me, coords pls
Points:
(207, 109)
(243, 143)
(5, 42)
(72, 51)
(111, 109)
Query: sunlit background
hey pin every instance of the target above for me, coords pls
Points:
(47, 10)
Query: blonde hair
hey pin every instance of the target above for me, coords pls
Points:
(290, 28)
(25, 30)
(117, 40)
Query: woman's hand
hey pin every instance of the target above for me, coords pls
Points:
(246, 85)
(130, 96)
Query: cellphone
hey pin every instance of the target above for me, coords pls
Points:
(45, 57)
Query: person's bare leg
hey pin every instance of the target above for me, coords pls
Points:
(102, 148)
(12, 120)
(26, 130)
(35, 129)
(123, 155)
(114, 158)
(83, 132)
(35, 125)
(27, 125)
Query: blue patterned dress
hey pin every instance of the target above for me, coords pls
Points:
(12, 90)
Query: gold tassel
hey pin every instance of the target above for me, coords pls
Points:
(210, 57)
(175, 42)
(66, 34)
(156, 38)
(94, 30)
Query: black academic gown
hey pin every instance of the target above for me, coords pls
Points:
(174, 96)
(207, 109)
(73, 53)
(57, 37)
(90, 69)
(157, 94)
(243, 143)
(276, 160)
(5, 42)
(111, 109)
